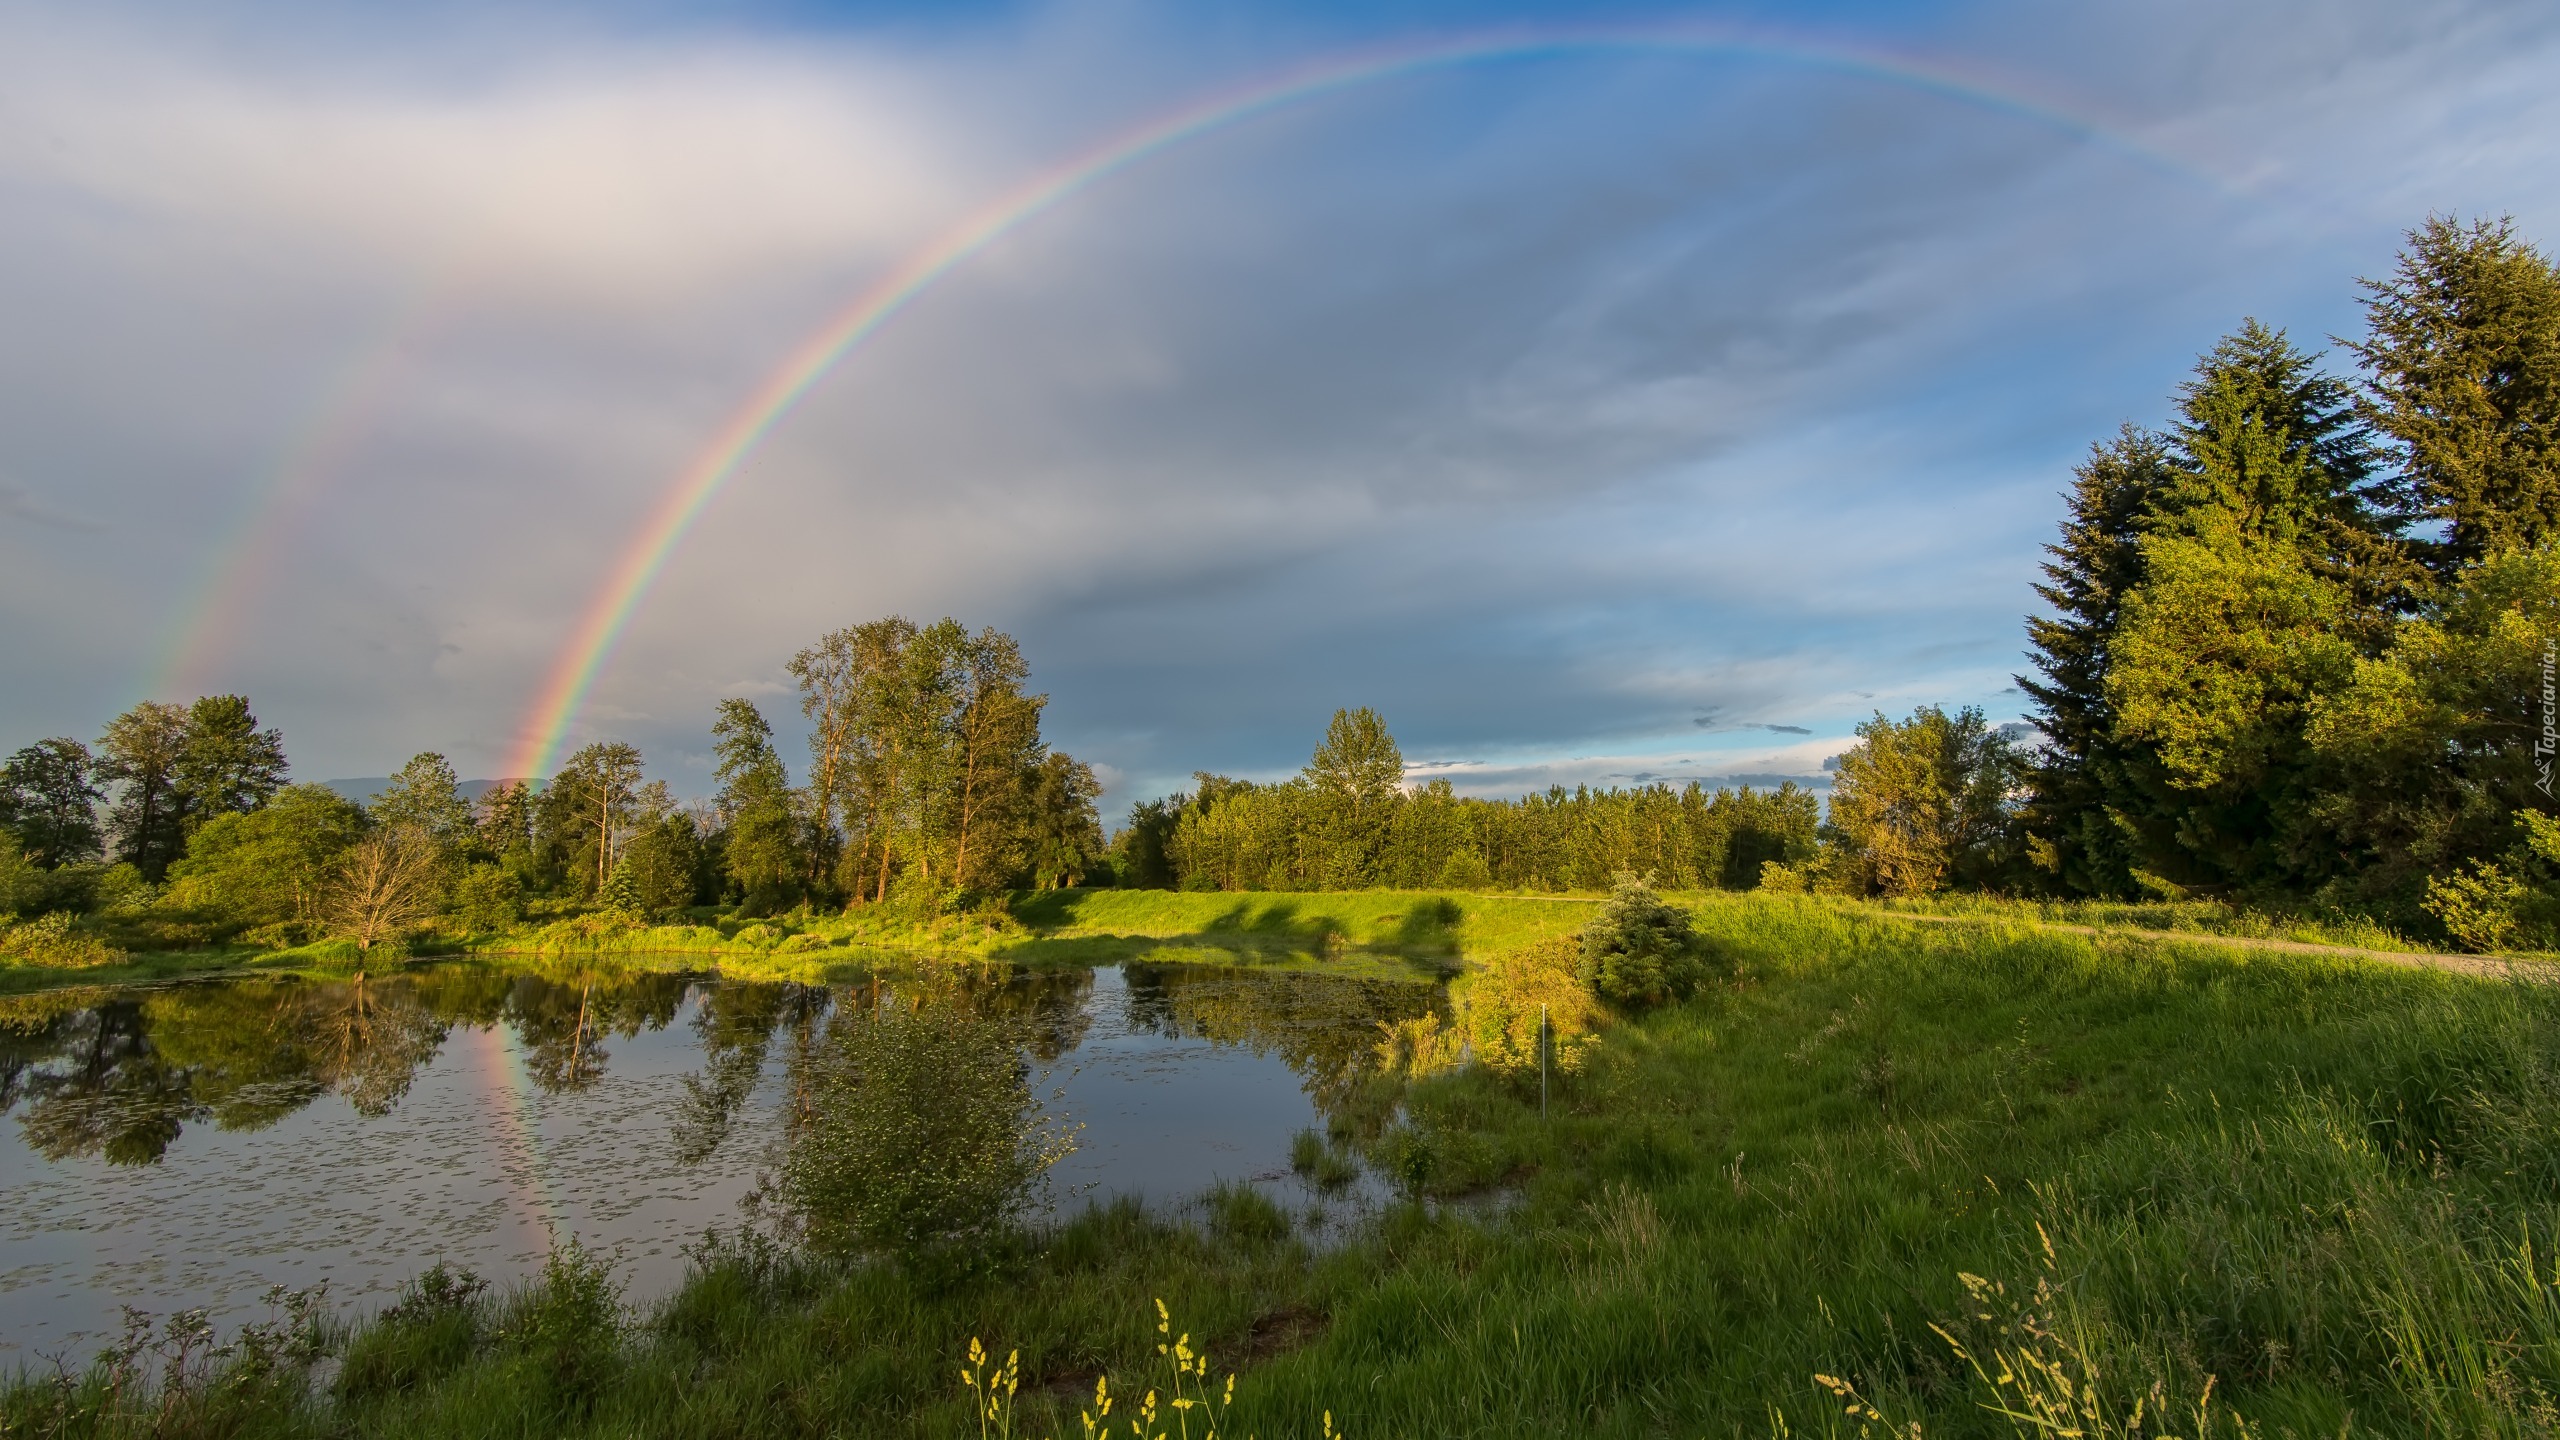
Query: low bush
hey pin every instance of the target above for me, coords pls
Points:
(53, 942)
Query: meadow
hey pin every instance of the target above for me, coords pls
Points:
(2309, 1194)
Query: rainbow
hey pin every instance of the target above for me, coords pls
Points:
(508, 1094)
(608, 614)
(208, 624)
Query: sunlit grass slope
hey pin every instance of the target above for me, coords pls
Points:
(2331, 1187)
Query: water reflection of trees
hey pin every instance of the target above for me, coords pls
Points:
(1323, 1027)
(120, 1074)
(736, 1024)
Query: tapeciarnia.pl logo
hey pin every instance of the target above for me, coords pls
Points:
(2545, 748)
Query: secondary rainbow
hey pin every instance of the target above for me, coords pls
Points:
(208, 623)
(608, 614)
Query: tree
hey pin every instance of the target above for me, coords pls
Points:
(2462, 367)
(2427, 754)
(763, 856)
(226, 764)
(48, 801)
(590, 804)
(272, 866)
(920, 742)
(1064, 827)
(1140, 851)
(659, 871)
(2223, 653)
(1640, 950)
(2268, 437)
(506, 822)
(995, 757)
(138, 755)
(390, 880)
(1357, 776)
(426, 795)
(2097, 562)
(851, 690)
(1921, 801)
(2265, 572)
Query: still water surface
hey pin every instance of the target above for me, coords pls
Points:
(191, 1145)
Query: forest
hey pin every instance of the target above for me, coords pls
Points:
(2296, 651)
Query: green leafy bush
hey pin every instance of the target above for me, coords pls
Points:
(50, 941)
(567, 1326)
(921, 1138)
(430, 1332)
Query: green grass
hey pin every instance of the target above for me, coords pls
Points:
(2331, 1186)
(1377, 931)
(2187, 917)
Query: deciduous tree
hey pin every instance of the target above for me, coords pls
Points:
(49, 801)
(138, 758)
(1919, 802)
(226, 764)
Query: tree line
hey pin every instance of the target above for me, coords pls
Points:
(1349, 821)
(928, 781)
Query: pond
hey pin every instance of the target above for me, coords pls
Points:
(191, 1145)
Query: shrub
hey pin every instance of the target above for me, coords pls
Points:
(568, 1325)
(429, 1333)
(920, 1137)
(1499, 1006)
(489, 897)
(51, 942)
(1641, 950)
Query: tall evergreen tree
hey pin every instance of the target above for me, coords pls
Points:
(1062, 828)
(2269, 438)
(2462, 368)
(138, 756)
(49, 801)
(2076, 836)
(226, 765)
(2209, 584)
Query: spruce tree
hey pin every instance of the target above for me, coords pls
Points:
(2243, 543)
(2267, 567)
(2462, 368)
(2074, 833)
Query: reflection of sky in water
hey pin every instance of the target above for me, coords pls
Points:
(1167, 1116)
(473, 1160)
(325, 1194)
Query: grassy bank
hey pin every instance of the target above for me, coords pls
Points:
(2331, 1189)
(1387, 931)
(1391, 931)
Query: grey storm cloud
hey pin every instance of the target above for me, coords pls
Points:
(1555, 409)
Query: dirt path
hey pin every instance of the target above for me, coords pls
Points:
(2482, 966)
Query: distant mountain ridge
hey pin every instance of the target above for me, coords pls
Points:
(363, 789)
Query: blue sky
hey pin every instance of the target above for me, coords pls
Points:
(1596, 416)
